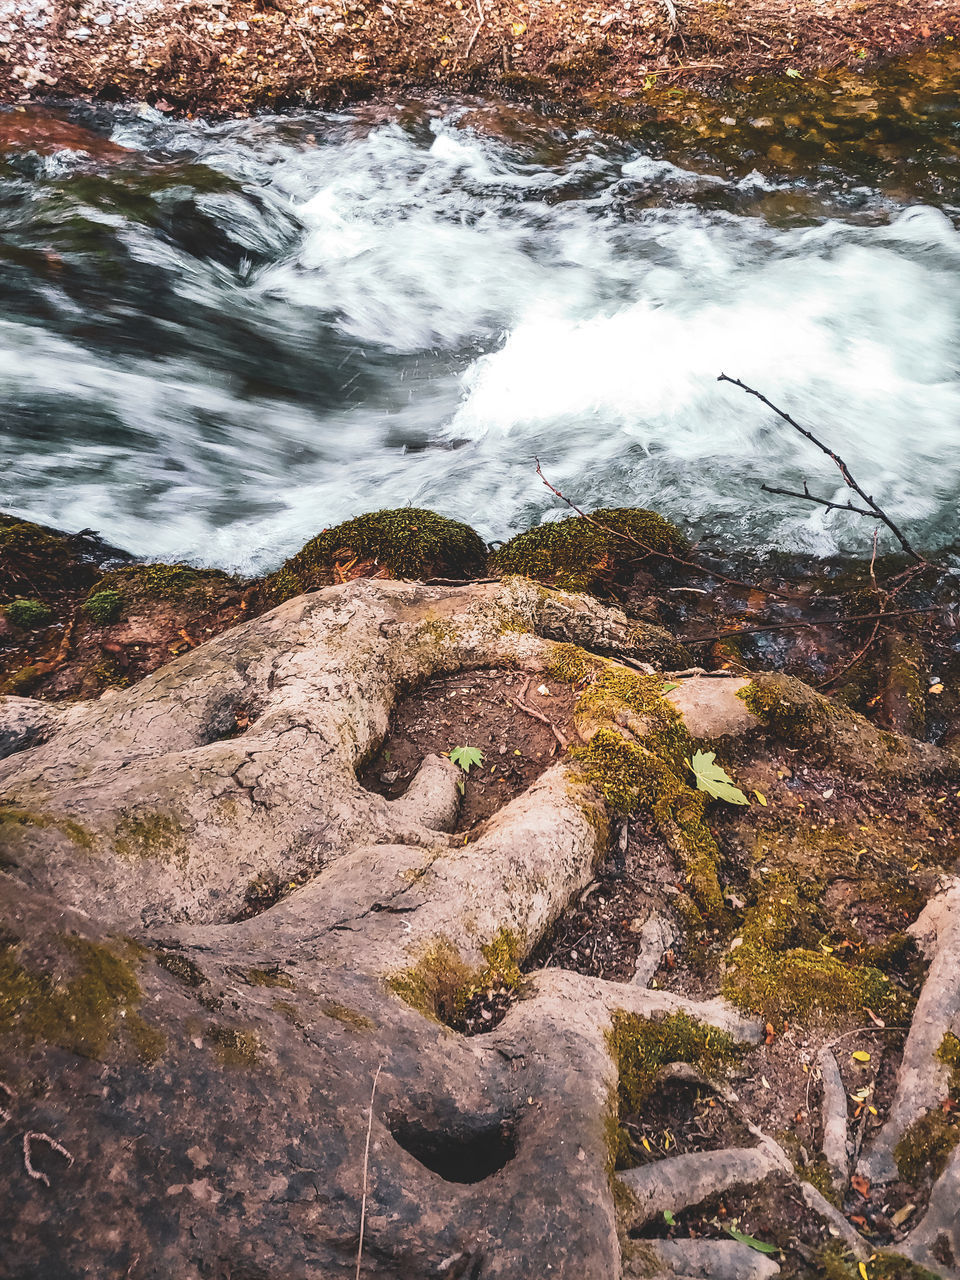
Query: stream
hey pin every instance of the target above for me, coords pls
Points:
(218, 338)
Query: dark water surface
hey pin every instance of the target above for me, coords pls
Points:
(217, 339)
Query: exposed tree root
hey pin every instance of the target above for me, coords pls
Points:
(219, 1060)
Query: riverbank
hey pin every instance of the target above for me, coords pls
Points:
(220, 57)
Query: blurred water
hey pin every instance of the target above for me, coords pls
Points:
(217, 339)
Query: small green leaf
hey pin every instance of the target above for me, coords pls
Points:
(669, 1219)
(752, 1241)
(793, 73)
(466, 757)
(715, 780)
(669, 686)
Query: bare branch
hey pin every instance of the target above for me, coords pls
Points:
(807, 496)
(875, 509)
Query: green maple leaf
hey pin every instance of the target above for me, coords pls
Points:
(466, 757)
(760, 1245)
(715, 780)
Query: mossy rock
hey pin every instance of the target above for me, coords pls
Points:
(41, 560)
(837, 1263)
(408, 542)
(579, 554)
(103, 607)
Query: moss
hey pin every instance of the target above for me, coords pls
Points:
(150, 834)
(769, 973)
(147, 582)
(949, 1054)
(103, 607)
(409, 542)
(235, 1046)
(440, 984)
(837, 1263)
(571, 664)
(817, 1173)
(923, 1151)
(22, 680)
(289, 1011)
(588, 555)
(349, 1017)
(82, 1013)
(28, 615)
(642, 1047)
(182, 968)
(12, 817)
(268, 978)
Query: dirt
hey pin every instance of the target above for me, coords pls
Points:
(224, 56)
(478, 709)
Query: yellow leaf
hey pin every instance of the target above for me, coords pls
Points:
(862, 1268)
(761, 797)
(518, 28)
(646, 1144)
(827, 951)
(861, 1055)
(936, 688)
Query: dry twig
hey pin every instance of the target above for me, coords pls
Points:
(366, 1166)
(875, 512)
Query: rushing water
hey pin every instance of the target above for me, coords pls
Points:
(217, 339)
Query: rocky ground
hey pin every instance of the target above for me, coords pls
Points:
(292, 862)
(221, 56)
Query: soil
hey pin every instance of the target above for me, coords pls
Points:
(476, 709)
(224, 56)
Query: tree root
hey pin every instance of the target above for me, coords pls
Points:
(923, 1080)
(834, 1120)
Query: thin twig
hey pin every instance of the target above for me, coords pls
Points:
(479, 28)
(807, 496)
(538, 715)
(823, 622)
(366, 1165)
(848, 479)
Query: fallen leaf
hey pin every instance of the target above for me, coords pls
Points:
(669, 1219)
(860, 1055)
(768, 1039)
(862, 1268)
(761, 797)
(900, 1217)
(715, 780)
(860, 1184)
(760, 1245)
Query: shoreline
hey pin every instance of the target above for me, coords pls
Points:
(242, 56)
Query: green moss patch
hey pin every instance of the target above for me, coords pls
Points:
(778, 969)
(441, 984)
(652, 773)
(923, 1151)
(408, 542)
(837, 1263)
(81, 1013)
(642, 1047)
(104, 607)
(235, 1046)
(28, 615)
(268, 978)
(145, 582)
(577, 554)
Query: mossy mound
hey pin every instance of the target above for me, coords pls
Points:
(407, 542)
(836, 1263)
(39, 561)
(578, 554)
(923, 1151)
